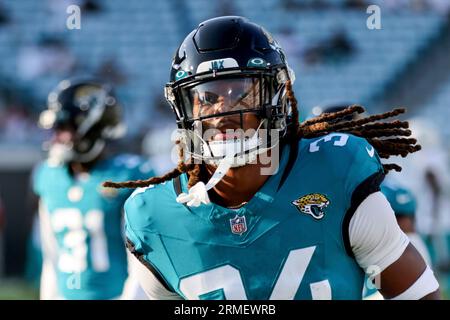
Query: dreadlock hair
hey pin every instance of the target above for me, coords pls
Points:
(369, 128)
(388, 138)
(193, 170)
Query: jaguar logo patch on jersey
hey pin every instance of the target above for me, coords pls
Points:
(238, 225)
(313, 204)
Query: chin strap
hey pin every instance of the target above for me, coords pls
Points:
(198, 194)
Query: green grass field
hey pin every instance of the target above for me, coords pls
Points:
(17, 289)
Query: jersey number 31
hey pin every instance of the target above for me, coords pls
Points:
(80, 233)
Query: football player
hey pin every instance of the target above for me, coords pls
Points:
(234, 221)
(81, 222)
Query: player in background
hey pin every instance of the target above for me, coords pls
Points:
(228, 224)
(81, 222)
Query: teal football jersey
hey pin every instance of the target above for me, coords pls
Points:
(290, 241)
(86, 220)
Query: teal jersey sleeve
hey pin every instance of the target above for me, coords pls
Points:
(365, 171)
(349, 170)
(139, 209)
(401, 199)
(364, 175)
(131, 208)
(143, 230)
(348, 161)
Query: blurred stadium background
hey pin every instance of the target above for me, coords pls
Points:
(337, 59)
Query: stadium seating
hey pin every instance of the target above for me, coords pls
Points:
(142, 43)
(438, 110)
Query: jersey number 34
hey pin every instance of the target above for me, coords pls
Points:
(228, 279)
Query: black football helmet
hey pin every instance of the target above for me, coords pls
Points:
(91, 110)
(232, 59)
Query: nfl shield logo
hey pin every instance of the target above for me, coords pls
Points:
(238, 225)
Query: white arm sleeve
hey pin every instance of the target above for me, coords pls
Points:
(48, 284)
(377, 241)
(150, 284)
(375, 237)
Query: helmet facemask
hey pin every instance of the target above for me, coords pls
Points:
(228, 75)
(238, 114)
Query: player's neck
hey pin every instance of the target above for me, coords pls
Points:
(238, 186)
